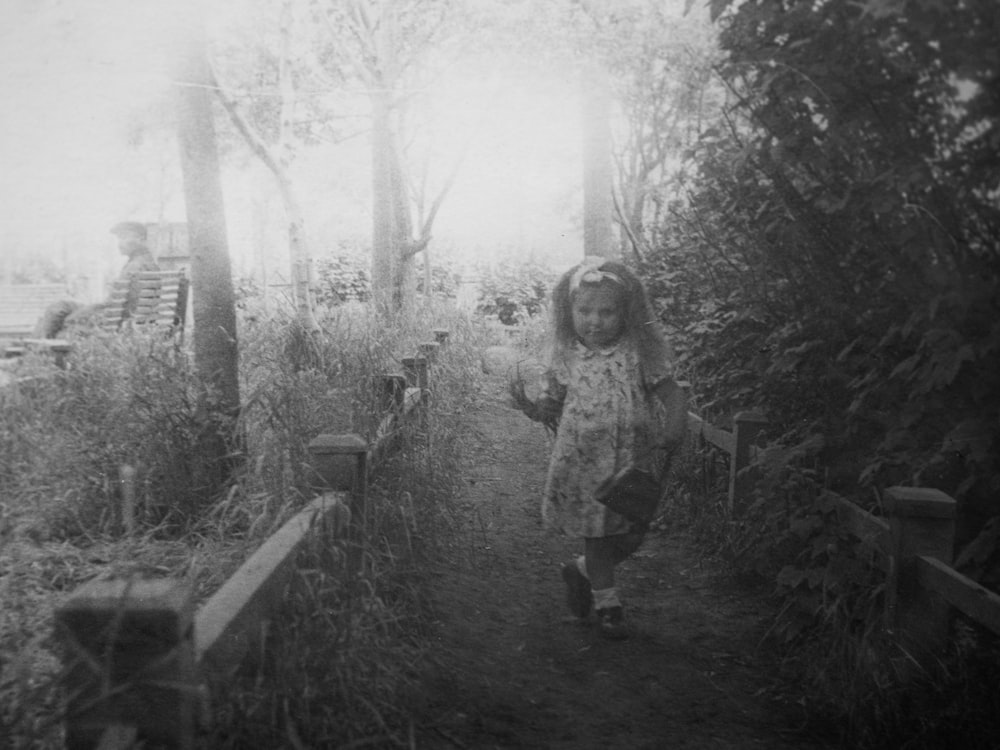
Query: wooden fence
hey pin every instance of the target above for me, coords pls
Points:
(912, 543)
(140, 657)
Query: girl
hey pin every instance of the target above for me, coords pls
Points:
(610, 387)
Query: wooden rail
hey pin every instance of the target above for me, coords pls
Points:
(22, 306)
(913, 544)
(739, 444)
(139, 655)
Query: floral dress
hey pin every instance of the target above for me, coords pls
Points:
(610, 420)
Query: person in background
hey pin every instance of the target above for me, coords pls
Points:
(132, 244)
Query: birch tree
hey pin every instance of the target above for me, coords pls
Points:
(277, 155)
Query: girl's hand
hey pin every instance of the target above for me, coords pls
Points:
(674, 400)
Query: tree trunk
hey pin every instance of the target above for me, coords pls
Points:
(383, 205)
(393, 280)
(597, 204)
(215, 349)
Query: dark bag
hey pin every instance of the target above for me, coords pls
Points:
(633, 493)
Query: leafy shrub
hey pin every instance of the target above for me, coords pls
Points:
(834, 264)
(514, 291)
(342, 278)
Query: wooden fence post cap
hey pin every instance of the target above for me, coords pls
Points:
(428, 347)
(346, 444)
(164, 605)
(918, 502)
(750, 416)
(441, 334)
(149, 594)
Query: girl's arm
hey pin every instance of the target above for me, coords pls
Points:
(674, 401)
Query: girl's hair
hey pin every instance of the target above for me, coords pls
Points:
(639, 323)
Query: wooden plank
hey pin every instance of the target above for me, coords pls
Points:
(976, 601)
(162, 295)
(388, 429)
(870, 529)
(719, 438)
(232, 620)
(919, 502)
(715, 435)
(22, 306)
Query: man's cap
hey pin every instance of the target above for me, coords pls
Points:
(129, 227)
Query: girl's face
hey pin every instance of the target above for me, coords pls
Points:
(597, 315)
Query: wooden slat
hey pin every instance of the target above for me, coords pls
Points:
(22, 306)
(871, 529)
(231, 621)
(979, 603)
(161, 295)
(716, 436)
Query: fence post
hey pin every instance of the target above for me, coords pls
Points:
(129, 658)
(441, 335)
(341, 461)
(746, 427)
(429, 350)
(921, 522)
(393, 392)
(417, 375)
(415, 369)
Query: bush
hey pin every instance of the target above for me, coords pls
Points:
(514, 291)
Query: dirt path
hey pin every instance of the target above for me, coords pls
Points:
(513, 669)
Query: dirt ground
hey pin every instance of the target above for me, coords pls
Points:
(514, 669)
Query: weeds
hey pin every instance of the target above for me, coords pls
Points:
(343, 664)
(131, 401)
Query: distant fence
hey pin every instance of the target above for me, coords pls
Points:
(913, 543)
(138, 653)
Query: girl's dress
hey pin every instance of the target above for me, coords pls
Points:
(610, 420)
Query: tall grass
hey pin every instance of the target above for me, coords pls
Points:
(135, 401)
(342, 667)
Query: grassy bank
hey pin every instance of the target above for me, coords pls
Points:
(65, 436)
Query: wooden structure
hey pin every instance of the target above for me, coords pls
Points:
(156, 299)
(912, 544)
(131, 642)
(22, 306)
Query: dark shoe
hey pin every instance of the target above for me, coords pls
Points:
(578, 596)
(611, 623)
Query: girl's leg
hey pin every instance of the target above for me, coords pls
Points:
(601, 558)
(602, 555)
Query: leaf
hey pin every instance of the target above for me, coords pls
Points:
(790, 577)
(906, 367)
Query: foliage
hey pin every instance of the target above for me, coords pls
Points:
(445, 278)
(661, 69)
(835, 266)
(127, 400)
(344, 666)
(514, 291)
(833, 260)
(65, 435)
(342, 278)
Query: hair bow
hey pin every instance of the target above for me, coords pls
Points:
(589, 272)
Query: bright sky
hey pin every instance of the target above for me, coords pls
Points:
(73, 75)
